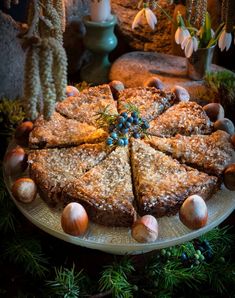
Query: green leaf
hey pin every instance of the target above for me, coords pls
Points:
(206, 31)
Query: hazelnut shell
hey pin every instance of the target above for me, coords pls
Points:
(193, 212)
(74, 219)
(214, 111)
(71, 91)
(224, 124)
(24, 190)
(181, 93)
(229, 176)
(22, 132)
(154, 82)
(15, 161)
(145, 229)
(116, 87)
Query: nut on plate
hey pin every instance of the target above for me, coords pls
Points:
(154, 82)
(193, 212)
(24, 190)
(224, 124)
(15, 161)
(181, 93)
(22, 132)
(145, 229)
(74, 219)
(214, 111)
(229, 176)
(116, 87)
(71, 91)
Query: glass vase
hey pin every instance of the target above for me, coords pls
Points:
(199, 63)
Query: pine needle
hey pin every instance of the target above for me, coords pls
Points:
(27, 253)
(115, 278)
(67, 283)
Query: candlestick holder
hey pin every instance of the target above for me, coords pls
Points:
(100, 40)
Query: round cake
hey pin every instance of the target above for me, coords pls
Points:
(143, 152)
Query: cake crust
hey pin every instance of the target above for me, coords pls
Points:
(210, 153)
(60, 131)
(52, 169)
(161, 183)
(85, 106)
(184, 118)
(106, 191)
(150, 101)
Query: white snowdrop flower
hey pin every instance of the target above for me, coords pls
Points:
(148, 14)
(181, 34)
(151, 18)
(189, 47)
(137, 19)
(225, 40)
(195, 43)
(184, 42)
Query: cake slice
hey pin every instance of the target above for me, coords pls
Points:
(85, 106)
(161, 183)
(210, 153)
(106, 191)
(60, 131)
(52, 169)
(150, 101)
(184, 118)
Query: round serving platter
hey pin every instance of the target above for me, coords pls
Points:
(119, 240)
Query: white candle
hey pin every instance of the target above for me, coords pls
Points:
(100, 10)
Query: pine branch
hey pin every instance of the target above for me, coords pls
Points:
(27, 253)
(114, 278)
(67, 283)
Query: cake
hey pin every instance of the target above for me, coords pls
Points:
(69, 158)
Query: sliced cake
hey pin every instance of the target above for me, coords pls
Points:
(161, 183)
(52, 169)
(60, 131)
(184, 118)
(150, 101)
(85, 106)
(106, 190)
(210, 153)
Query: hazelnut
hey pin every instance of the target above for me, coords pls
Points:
(71, 91)
(181, 93)
(214, 111)
(74, 219)
(15, 161)
(193, 212)
(24, 190)
(224, 124)
(229, 176)
(22, 132)
(233, 140)
(145, 229)
(154, 82)
(116, 87)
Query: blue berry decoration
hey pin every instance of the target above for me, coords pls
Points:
(130, 119)
(125, 140)
(121, 120)
(127, 124)
(124, 115)
(114, 135)
(136, 121)
(145, 124)
(120, 142)
(134, 114)
(109, 141)
(136, 135)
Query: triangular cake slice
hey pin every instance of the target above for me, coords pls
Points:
(210, 153)
(150, 101)
(161, 183)
(52, 169)
(85, 106)
(106, 191)
(60, 131)
(184, 118)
